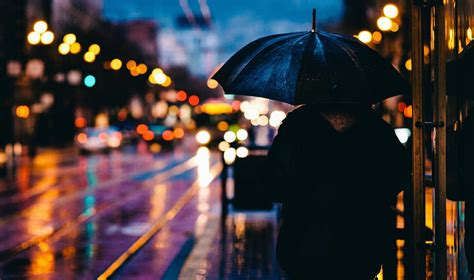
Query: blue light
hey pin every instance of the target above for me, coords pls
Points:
(89, 81)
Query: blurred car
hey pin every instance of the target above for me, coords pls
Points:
(91, 139)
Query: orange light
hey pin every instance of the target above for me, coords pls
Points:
(80, 122)
(193, 100)
(408, 112)
(401, 107)
(167, 135)
(22, 112)
(223, 126)
(103, 136)
(82, 138)
(142, 68)
(142, 128)
(181, 95)
(178, 133)
(131, 64)
(148, 135)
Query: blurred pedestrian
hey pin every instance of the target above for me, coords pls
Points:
(337, 170)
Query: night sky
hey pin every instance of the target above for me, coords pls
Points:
(236, 21)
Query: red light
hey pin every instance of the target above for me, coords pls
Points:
(80, 122)
(148, 135)
(142, 128)
(236, 105)
(193, 100)
(181, 96)
(103, 136)
(167, 135)
(401, 107)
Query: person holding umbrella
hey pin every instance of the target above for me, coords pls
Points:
(335, 166)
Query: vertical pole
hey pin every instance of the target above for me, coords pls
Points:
(440, 143)
(417, 191)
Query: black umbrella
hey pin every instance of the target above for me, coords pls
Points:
(311, 67)
(460, 73)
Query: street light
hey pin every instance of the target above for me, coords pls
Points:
(34, 38)
(69, 38)
(47, 38)
(94, 48)
(384, 23)
(64, 48)
(365, 36)
(40, 26)
(390, 11)
(89, 57)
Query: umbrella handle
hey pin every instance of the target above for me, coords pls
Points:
(313, 29)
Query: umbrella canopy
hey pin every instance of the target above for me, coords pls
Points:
(310, 68)
(460, 73)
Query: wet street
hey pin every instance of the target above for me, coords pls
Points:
(128, 214)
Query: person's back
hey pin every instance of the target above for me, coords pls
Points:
(336, 180)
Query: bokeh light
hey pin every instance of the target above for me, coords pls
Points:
(365, 36)
(203, 137)
(47, 38)
(384, 23)
(116, 64)
(22, 111)
(34, 38)
(95, 49)
(89, 81)
(64, 48)
(193, 100)
(89, 57)
(69, 38)
(390, 11)
(212, 84)
(40, 26)
(75, 48)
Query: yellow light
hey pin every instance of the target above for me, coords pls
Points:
(63, 48)
(152, 80)
(408, 65)
(156, 71)
(395, 27)
(47, 37)
(40, 26)
(131, 64)
(212, 84)
(365, 36)
(116, 64)
(75, 48)
(167, 82)
(390, 11)
(160, 77)
(69, 38)
(203, 137)
(22, 112)
(469, 34)
(384, 23)
(95, 49)
(34, 38)
(89, 57)
(377, 37)
(141, 69)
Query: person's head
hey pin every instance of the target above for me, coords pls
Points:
(342, 115)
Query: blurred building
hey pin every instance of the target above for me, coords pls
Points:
(83, 13)
(194, 44)
(143, 34)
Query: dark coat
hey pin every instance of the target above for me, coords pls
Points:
(337, 190)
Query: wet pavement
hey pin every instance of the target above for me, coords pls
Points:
(129, 215)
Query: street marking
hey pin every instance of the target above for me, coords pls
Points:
(159, 224)
(86, 216)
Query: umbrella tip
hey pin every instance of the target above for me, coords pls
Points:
(313, 28)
